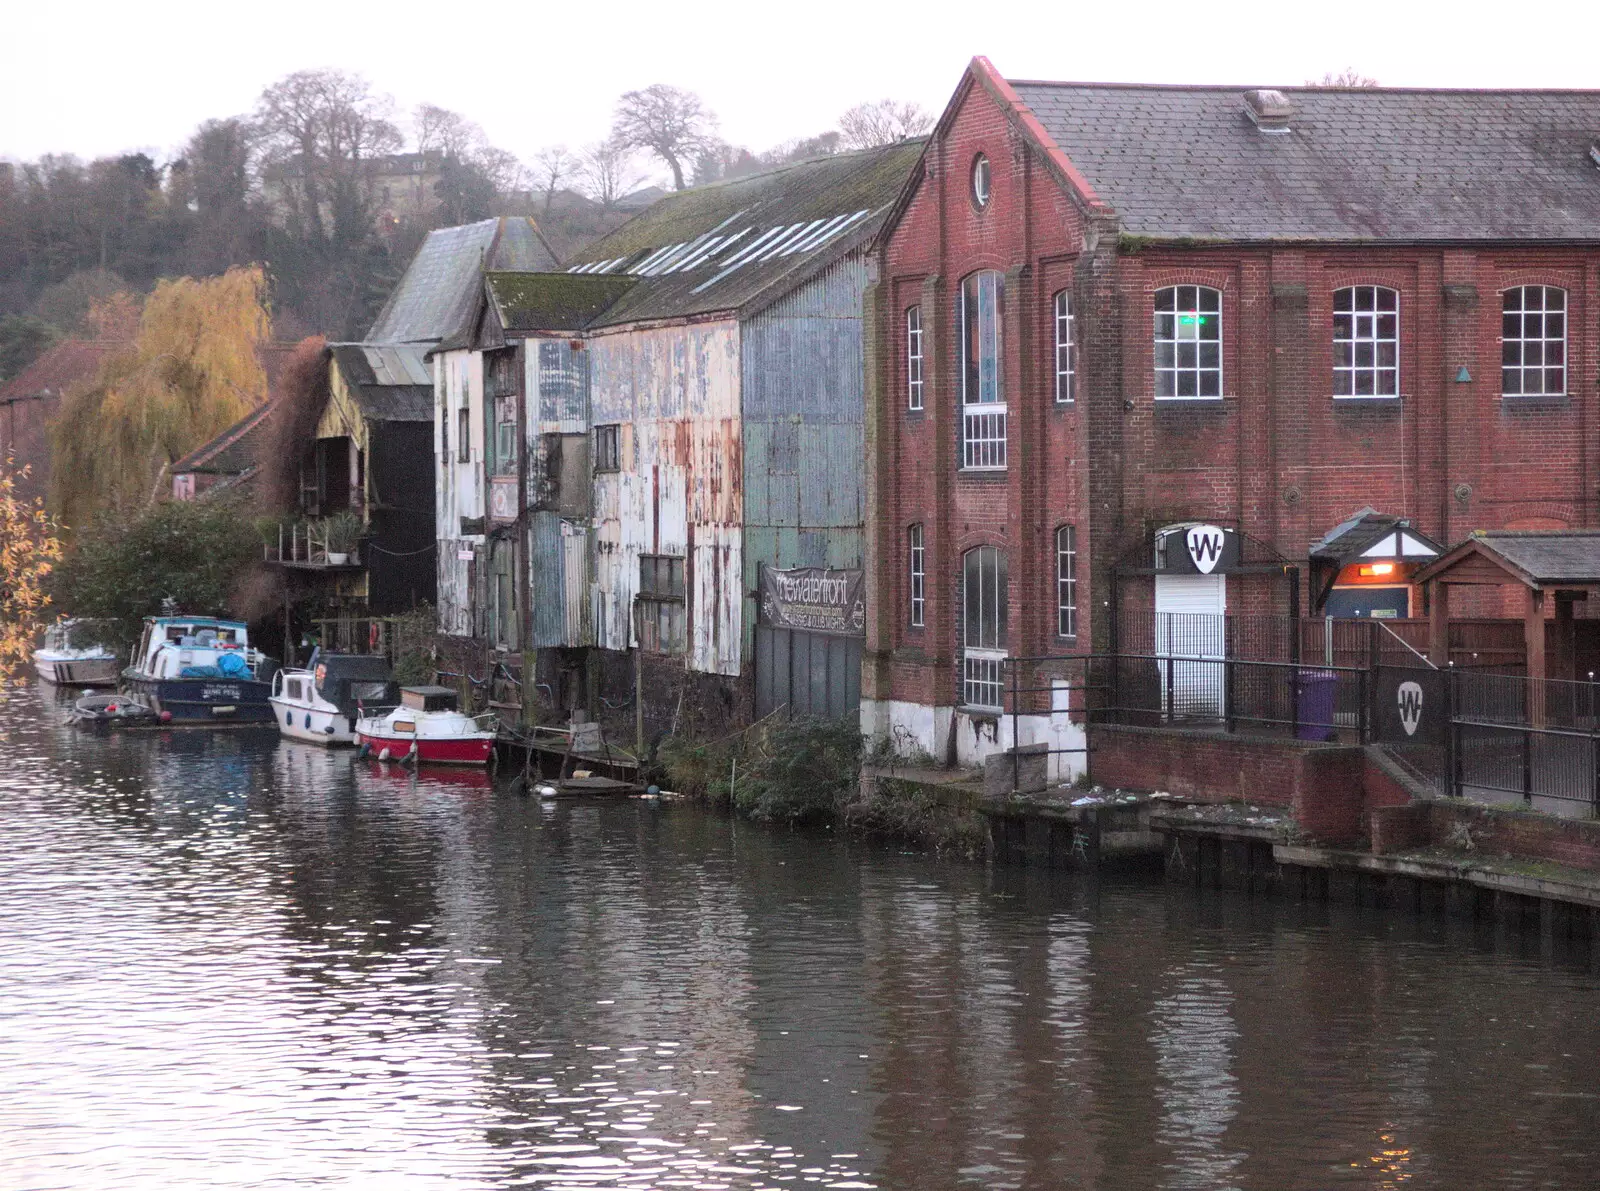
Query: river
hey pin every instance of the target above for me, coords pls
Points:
(227, 962)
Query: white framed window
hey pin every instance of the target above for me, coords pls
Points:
(983, 397)
(980, 181)
(1188, 343)
(1533, 341)
(919, 576)
(1067, 581)
(1066, 349)
(1366, 341)
(914, 357)
(983, 606)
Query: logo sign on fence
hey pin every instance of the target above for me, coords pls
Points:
(814, 599)
(1197, 550)
(1408, 706)
(1409, 696)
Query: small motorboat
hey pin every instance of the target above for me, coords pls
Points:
(200, 670)
(73, 655)
(427, 727)
(321, 704)
(124, 710)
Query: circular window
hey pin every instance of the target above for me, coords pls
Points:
(980, 180)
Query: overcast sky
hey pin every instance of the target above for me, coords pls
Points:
(94, 78)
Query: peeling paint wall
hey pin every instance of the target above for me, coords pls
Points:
(674, 393)
(804, 408)
(458, 484)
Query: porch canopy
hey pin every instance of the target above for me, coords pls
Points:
(1560, 564)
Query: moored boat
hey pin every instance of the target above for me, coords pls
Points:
(124, 710)
(200, 670)
(72, 655)
(322, 703)
(428, 727)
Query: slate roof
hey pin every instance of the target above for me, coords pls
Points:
(232, 452)
(439, 292)
(739, 245)
(1353, 537)
(1540, 558)
(1357, 164)
(388, 383)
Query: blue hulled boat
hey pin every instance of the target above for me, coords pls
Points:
(199, 670)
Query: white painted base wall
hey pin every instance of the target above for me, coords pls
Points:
(918, 726)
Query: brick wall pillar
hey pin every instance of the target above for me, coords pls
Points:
(881, 547)
(1463, 401)
(1103, 396)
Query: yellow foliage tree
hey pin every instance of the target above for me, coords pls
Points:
(29, 550)
(192, 371)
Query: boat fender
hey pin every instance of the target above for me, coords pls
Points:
(166, 717)
(384, 755)
(547, 791)
(364, 751)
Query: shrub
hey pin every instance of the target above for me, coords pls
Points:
(806, 770)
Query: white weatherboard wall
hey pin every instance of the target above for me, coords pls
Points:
(458, 484)
(674, 393)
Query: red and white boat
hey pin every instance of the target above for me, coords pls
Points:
(428, 727)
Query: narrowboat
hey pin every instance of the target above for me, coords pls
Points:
(72, 655)
(427, 727)
(321, 703)
(200, 670)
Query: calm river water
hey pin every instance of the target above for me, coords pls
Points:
(229, 962)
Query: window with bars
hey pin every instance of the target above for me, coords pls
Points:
(983, 606)
(1066, 349)
(914, 358)
(1188, 343)
(660, 604)
(607, 448)
(1067, 581)
(983, 398)
(1533, 341)
(919, 576)
(1366, 342)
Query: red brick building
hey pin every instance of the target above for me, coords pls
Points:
(1202, 349)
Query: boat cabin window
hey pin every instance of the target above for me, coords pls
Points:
(292, 688)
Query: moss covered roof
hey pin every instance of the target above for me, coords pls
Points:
(528, 302)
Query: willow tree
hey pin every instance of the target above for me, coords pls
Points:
(192, 371)
(29, 550)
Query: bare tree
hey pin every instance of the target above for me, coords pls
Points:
(669, 122)
(609, 171)
(553, 165)
(1348, 77)
(450, 134)
(868, 125)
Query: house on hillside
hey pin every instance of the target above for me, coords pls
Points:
(655, 456)
(1159, 360)
(32, 398)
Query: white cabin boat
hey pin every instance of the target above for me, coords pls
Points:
(73, 656)
(321, 704)
(197, 669)
(427, 727)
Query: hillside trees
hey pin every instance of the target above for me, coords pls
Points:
(191, 372)
(671, 123)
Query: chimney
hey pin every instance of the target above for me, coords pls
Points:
(1268, 110)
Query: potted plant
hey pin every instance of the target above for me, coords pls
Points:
(342, 532)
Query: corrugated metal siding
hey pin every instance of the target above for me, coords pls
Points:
(804, 410)
(546, 586)
(674, 391)
(458, 485)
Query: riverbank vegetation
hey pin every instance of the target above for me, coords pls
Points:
(806, 772)
(29, 551)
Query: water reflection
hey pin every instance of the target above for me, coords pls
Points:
(231, 962)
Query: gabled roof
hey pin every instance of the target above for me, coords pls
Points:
(737, 246)
(1536, 558)
(440, 290)
(388, 383)
(529, 302)
(1355, 164)
(231, 453)
(1371, 534)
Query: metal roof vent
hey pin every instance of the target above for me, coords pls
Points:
(1268, 110)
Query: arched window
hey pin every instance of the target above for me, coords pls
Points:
(1066, 581)
(983, 395)
(1188, 343)
(980, 181)
(1066, 349)
(1366, 341)
(914, 357)
(983, 601)
(918, 561)
(1533, 341)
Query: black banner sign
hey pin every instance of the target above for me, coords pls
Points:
(1409, 706)
(1197, 550)
(814, 599)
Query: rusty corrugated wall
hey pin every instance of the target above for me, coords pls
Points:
(674, 392)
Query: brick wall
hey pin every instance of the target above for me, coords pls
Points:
(1277, 456)
(1495, 832)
